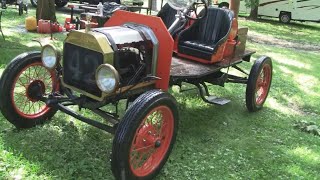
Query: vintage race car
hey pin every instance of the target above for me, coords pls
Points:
(137, 58)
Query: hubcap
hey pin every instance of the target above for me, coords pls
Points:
(35, 90)
(285, 18)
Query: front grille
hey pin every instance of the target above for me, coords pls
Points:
(79, 67)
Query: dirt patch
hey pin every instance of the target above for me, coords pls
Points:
(270, 40)
(21, 29)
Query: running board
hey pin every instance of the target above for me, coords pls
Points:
(206, 97)
(216, 100)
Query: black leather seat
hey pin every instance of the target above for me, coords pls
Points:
(167, 14)
(204, 37)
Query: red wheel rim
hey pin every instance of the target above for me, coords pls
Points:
(263, 84)
(24, 105)
(151, 141)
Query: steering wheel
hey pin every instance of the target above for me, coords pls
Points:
(194, 7)
(187, 6)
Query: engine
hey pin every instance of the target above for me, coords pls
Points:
(132, 65)
(130, 49)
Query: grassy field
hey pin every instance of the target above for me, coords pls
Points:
(214, 142)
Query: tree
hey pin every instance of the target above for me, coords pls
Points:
(253, 4)
(46, 10)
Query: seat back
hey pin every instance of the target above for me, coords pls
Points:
(167, 14)
(215, 26)
(206, 36)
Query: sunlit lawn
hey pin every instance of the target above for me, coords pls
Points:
(304, 33)
(214, 142)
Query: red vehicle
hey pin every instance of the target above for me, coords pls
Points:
(132, 58)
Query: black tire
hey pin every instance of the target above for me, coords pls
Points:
(224, 5)
(133, 123)
(34, 3)
(17, 83)
(285, 17)
(61, 3)
(263, 66)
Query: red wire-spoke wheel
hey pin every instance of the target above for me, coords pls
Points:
(23, 83)
(151, 141)
(259, 83)
(31, 83)
(145, 136)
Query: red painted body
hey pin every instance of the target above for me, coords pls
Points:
(165, 41)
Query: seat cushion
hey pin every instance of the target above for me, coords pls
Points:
(203, 37)
(199, 45)
(196, 49)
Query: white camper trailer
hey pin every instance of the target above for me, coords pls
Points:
(285, 10)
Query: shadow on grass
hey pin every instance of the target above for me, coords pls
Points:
(12, 48)
(213, 141)
(16, 44)
(63, 150)
(228, 142)
(294, 33)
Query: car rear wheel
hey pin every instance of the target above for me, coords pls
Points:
(22, 84)
(259, 83)
(285, 17)
(145, 136)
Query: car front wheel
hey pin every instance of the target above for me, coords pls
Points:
(145, 136)
(23, 83)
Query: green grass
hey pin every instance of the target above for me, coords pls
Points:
(304, 33)
(214, 142)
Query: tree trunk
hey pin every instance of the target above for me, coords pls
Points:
(253, 13)
(46, 10)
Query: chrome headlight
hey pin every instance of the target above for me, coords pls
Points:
(50, 56)
(107, 78)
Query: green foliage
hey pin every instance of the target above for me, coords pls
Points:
(214, 142)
